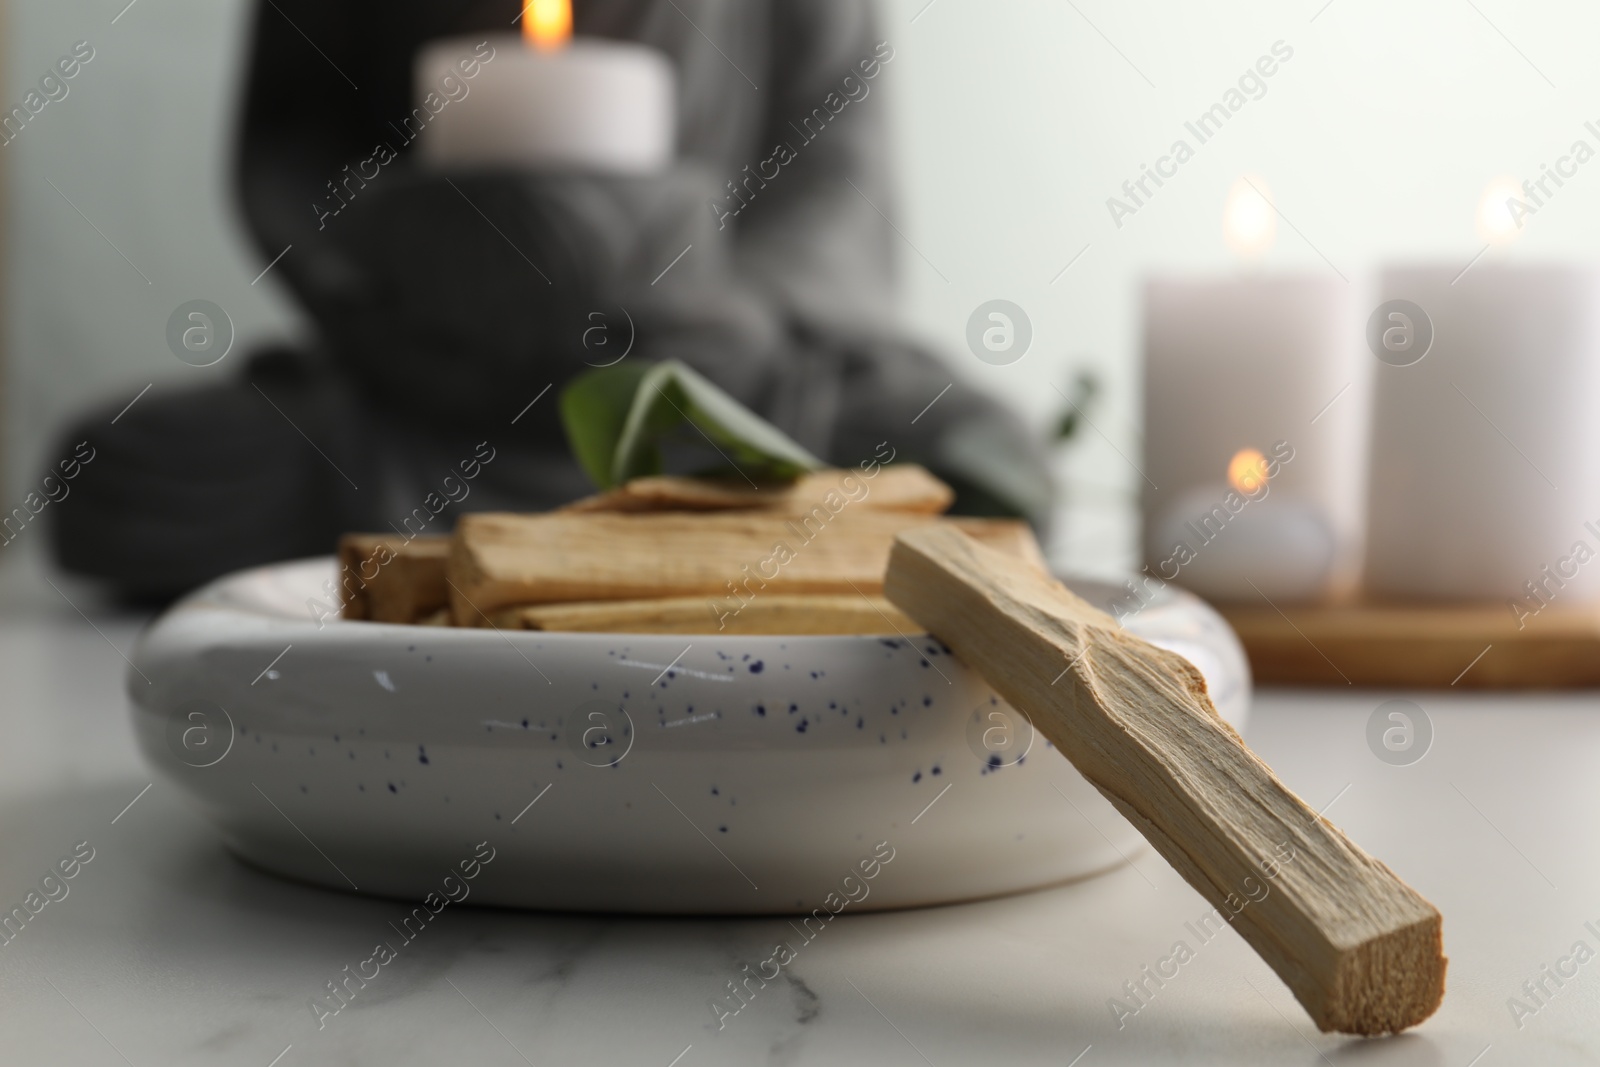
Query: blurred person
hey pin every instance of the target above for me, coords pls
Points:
(443, 305)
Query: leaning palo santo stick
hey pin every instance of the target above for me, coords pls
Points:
(1359, 948)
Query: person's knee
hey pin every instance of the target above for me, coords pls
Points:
(186, 485)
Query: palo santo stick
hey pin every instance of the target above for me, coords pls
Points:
(385, 578)
(901, 487)
(499, 561)
(1360, 949)
(776, 614)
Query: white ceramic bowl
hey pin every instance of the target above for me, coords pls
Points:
(665, 773)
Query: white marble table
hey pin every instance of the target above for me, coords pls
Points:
(168, 952)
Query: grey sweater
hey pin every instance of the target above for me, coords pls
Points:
(444, 304)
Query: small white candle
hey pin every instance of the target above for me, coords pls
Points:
(1234, 541)
(1246, 363)
(545, 103)
(1486, 451)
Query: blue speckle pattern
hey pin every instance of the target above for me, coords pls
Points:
(539, 729)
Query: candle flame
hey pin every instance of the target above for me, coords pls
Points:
(1502, 211)
(1249, 221)
(547, 24)
(1247, 471)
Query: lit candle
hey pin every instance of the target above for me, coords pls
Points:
(1239, 540)
(1486, 450)
(548, 102)
(1238, 363)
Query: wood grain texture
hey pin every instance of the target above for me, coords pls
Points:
(1423, 647)
(776, 614)
(385, 578)
(1360, 949)
(502, 560)
(900, 487)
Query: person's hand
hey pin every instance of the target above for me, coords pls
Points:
(462, 293)
(473, 292)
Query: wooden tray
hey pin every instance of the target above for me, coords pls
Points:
(1467, 646)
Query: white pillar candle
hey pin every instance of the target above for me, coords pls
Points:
(592, 105)
(1262, 363)
(1486, 452)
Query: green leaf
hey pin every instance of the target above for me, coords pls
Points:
(616, 440)
(991, 464)
(594, 407)
(1085, 387)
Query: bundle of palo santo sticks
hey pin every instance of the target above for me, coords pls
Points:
(670, 554)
